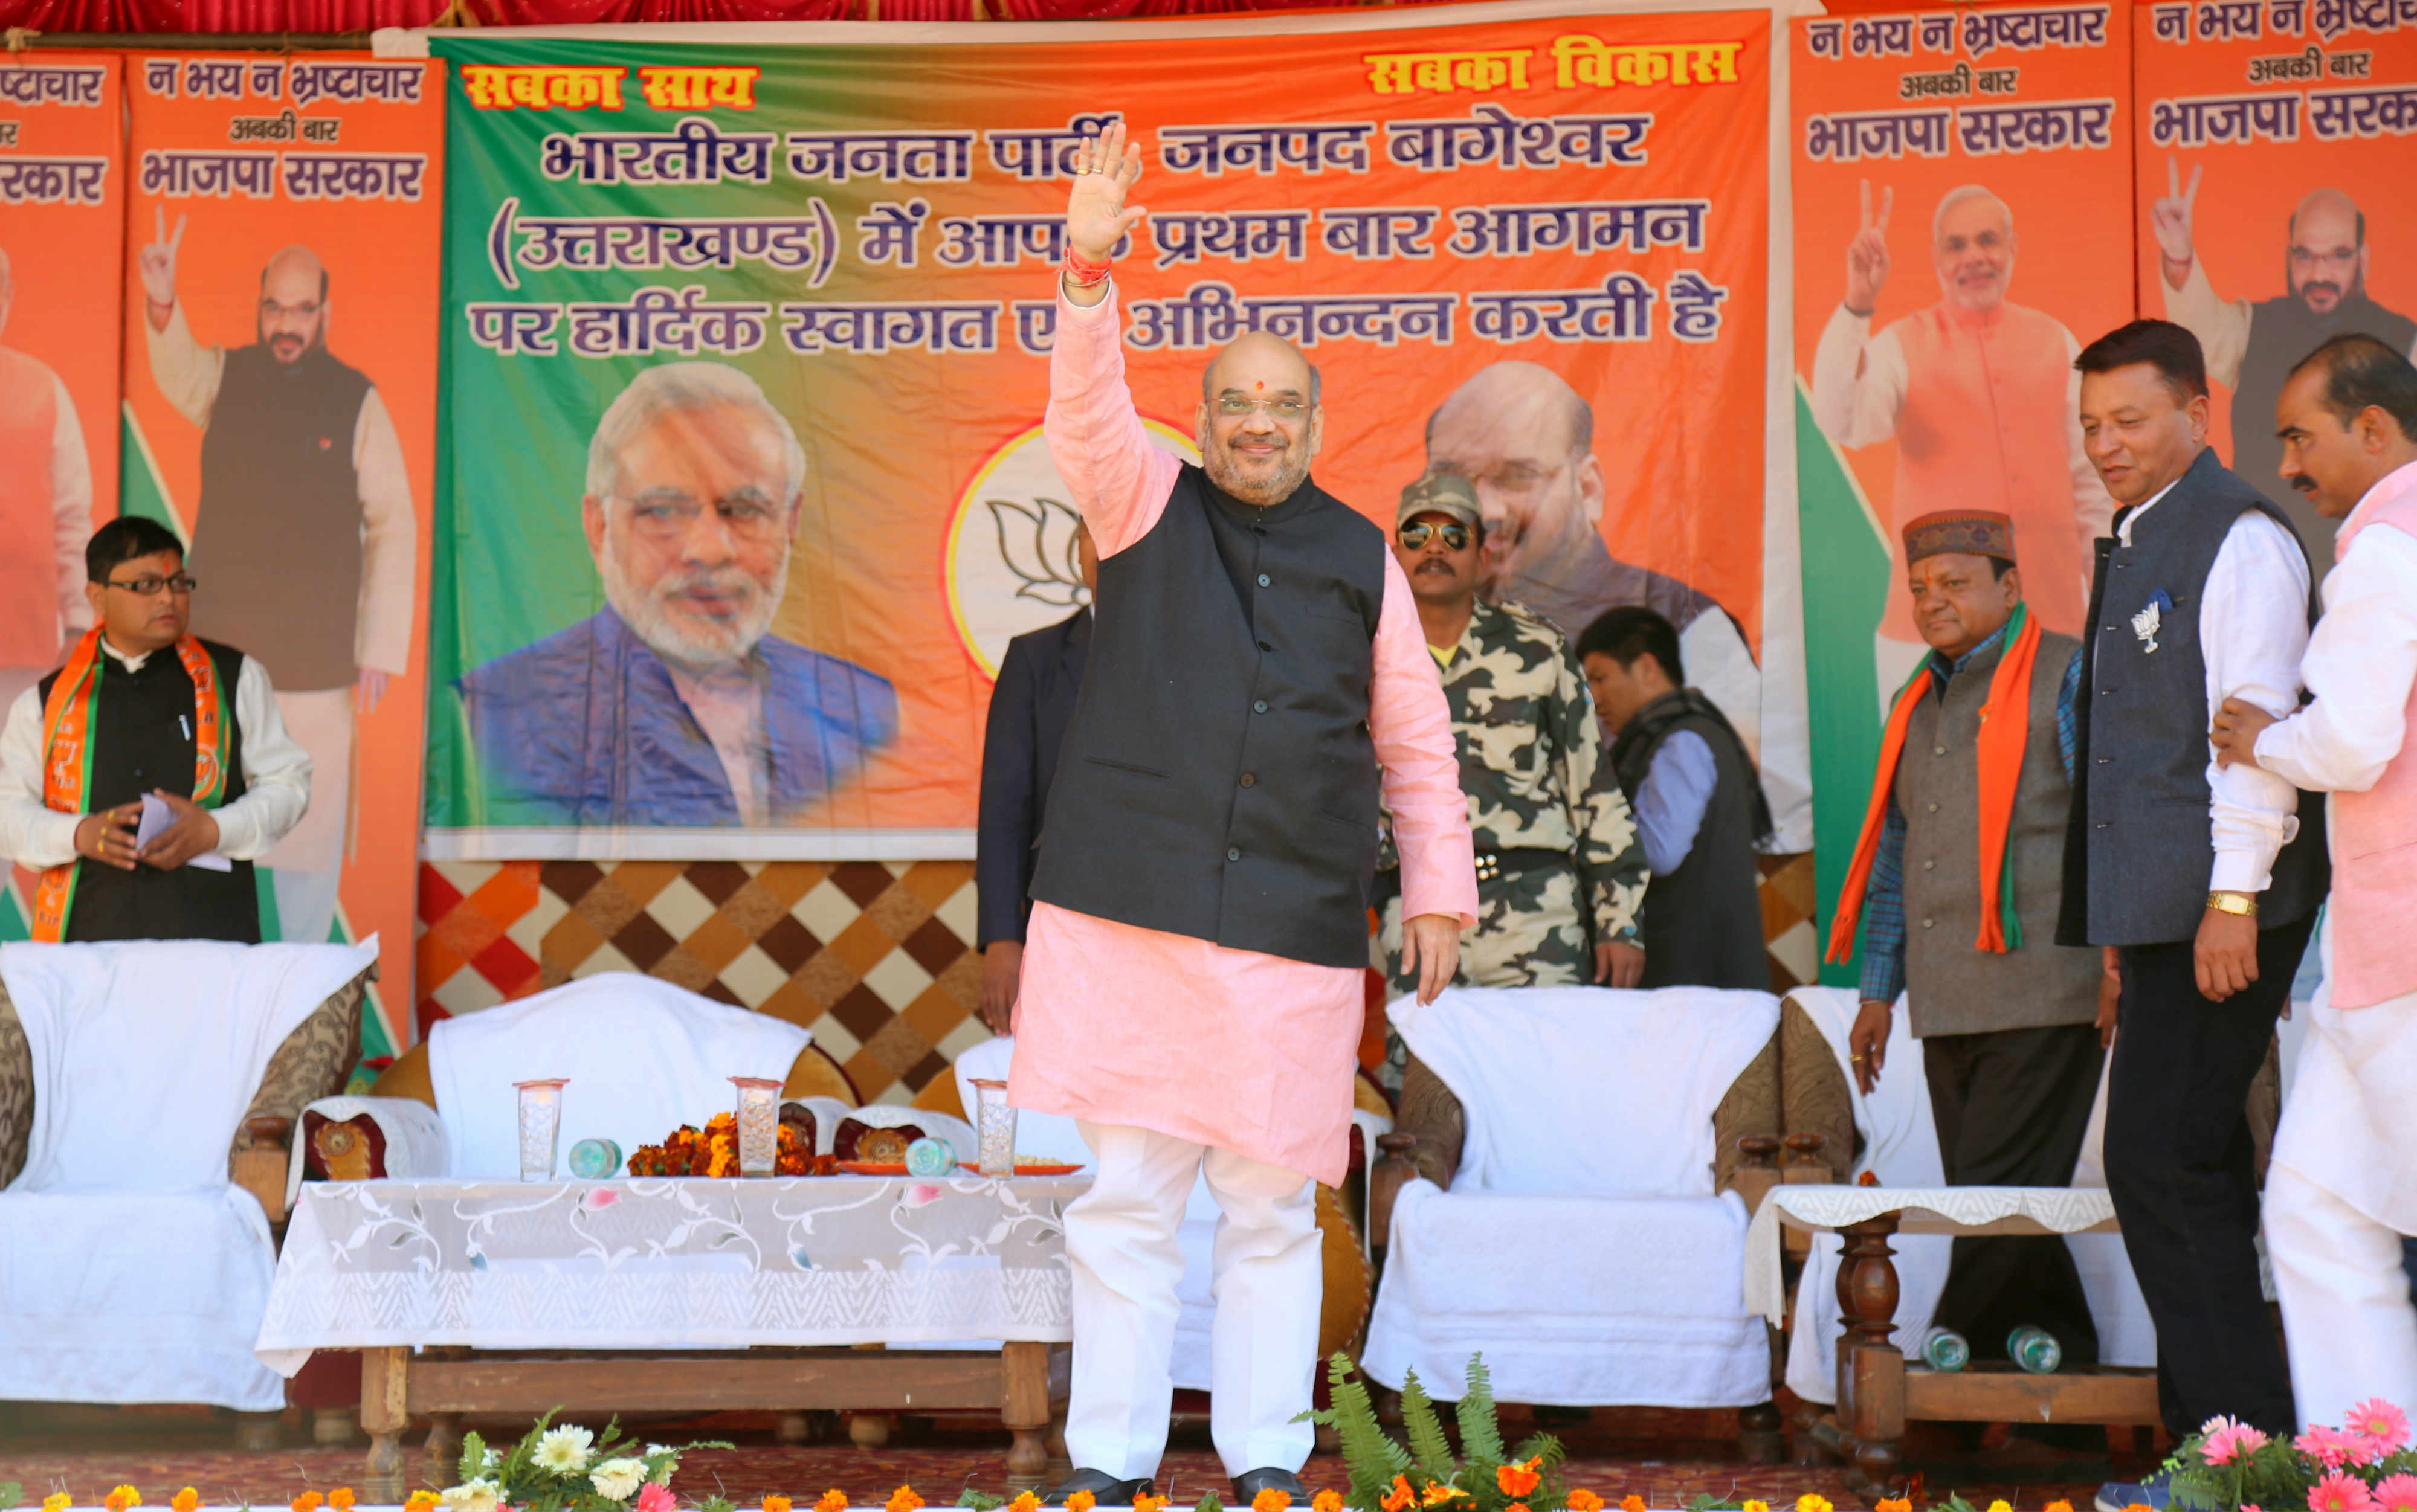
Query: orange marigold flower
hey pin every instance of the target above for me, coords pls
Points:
(1328, 1500)
(1026, 1501)
(1270, 1500)
(1438, 1494)
(1810, 1502)
(186, 1500)
(1893, 1503)
(1634, 1503)
(1582, 1500)
(340, 1499)
(119, 1499)
(2058, 1507)
(58, 1502)
(1144, 1502)
(777, 1504)
(422, 1501)
(1755, 1506)
(1400, 1497)
(832, 1501)
(1516, 1506)
(1081, 1502)
(903, 1500)
(308, 1501)
(1517, 1480)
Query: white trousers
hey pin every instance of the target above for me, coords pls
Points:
(1121, 1242)
(2346, 1320)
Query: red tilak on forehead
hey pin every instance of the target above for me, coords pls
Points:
(1261, 384)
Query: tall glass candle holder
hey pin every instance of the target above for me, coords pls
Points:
(759, 1125)
(994, 1127)
(541, 1126)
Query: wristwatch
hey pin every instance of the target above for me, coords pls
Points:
(2244, 904)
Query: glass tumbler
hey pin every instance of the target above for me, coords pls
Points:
(759, 1124)
(541, 1126)
(994, 1125)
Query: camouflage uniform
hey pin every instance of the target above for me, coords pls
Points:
(1532, 763)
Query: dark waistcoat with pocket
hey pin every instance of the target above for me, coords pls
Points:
(142, 738)
(2137, 850)
(1219, 780)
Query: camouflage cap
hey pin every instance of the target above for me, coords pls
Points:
(1970, 531)
(1446, 494)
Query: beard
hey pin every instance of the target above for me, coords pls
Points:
(677, 635)
(1270, 483)
(2340, 295)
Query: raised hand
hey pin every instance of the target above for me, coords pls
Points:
(158, 262)
(2169, 218)
(1106, 167)
(1867, 257)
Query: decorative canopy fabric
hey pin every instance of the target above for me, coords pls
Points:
(235, 17)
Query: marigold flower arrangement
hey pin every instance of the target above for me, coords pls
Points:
(2366, 1465)
(1423, 1472)
(713, 1151)
(564, 1469)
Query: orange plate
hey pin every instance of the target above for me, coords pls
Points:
(874, 1168)
(1033, 1168)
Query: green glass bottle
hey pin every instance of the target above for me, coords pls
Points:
(2034, 1348)
(1944, 1349)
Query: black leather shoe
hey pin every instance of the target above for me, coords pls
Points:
(1250, 1483)
(1109, 1490)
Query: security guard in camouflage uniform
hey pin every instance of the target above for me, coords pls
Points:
(1560, 871)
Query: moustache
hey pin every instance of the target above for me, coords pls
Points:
(2302, 483)
(2325, 284)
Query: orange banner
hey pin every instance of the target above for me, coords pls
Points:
(281, 385)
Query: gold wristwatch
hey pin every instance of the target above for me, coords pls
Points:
(2244, 904)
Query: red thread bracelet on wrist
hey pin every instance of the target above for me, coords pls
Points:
(1085, 273)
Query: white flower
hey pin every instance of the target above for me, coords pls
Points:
(618, 1479)
(563, 1450)
(477, 1495)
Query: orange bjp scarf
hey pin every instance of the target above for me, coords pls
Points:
(67, 755)
(2001, 756)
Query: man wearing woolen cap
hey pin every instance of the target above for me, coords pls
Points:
(1957, 883)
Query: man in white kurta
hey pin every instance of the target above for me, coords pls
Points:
(1177, 1055)
(2342, 1188)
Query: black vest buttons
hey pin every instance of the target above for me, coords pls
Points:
(1233, 854)
(1926, 923)
(1266, 581)
(1260, 706)
(1250, 779)
(1930, 866)
(1265, 646)
(1939, 750)
(1934, 807)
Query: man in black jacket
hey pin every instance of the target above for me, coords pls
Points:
(1699, 807)
(1030, 707)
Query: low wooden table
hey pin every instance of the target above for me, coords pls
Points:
(1878, 1395)
(683, 1294)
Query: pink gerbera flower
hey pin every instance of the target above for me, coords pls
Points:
(2231, 1442)
(2377, 1419)
(2340, 1493)
(2396, 1493)
(2326, 1447)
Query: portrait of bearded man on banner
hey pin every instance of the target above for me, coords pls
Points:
(674, 704)
(2252, 345)
(45, 511)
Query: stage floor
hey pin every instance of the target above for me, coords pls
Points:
(1668, 1457)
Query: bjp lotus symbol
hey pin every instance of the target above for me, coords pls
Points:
(1037, 542)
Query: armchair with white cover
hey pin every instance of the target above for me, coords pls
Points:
(145, 1092)
(1585, 1161)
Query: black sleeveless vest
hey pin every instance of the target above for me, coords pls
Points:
(277, 544)
(142, 738)
(1218, 780)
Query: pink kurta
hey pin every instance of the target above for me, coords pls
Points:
(1248, 1051)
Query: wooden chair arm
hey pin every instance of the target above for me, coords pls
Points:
(1393, 1169)
(1758, 1173)
(1807, 1161)
(259, 1165)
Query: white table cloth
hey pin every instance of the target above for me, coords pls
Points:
(1925, 1210)
(688, 1262)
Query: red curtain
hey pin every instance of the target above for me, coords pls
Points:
(226, 17)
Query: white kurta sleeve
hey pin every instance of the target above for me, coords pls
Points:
(2221, 325)
(2362, 661)
(1858, 380)
(2253, 625)
(276, 774)
(30, 834)
(187, 371)
(70, 507)
(390, 542)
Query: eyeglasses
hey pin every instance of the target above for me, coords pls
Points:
(149, 587)
(665, 515)
(1416, 536)
(1287, 409)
